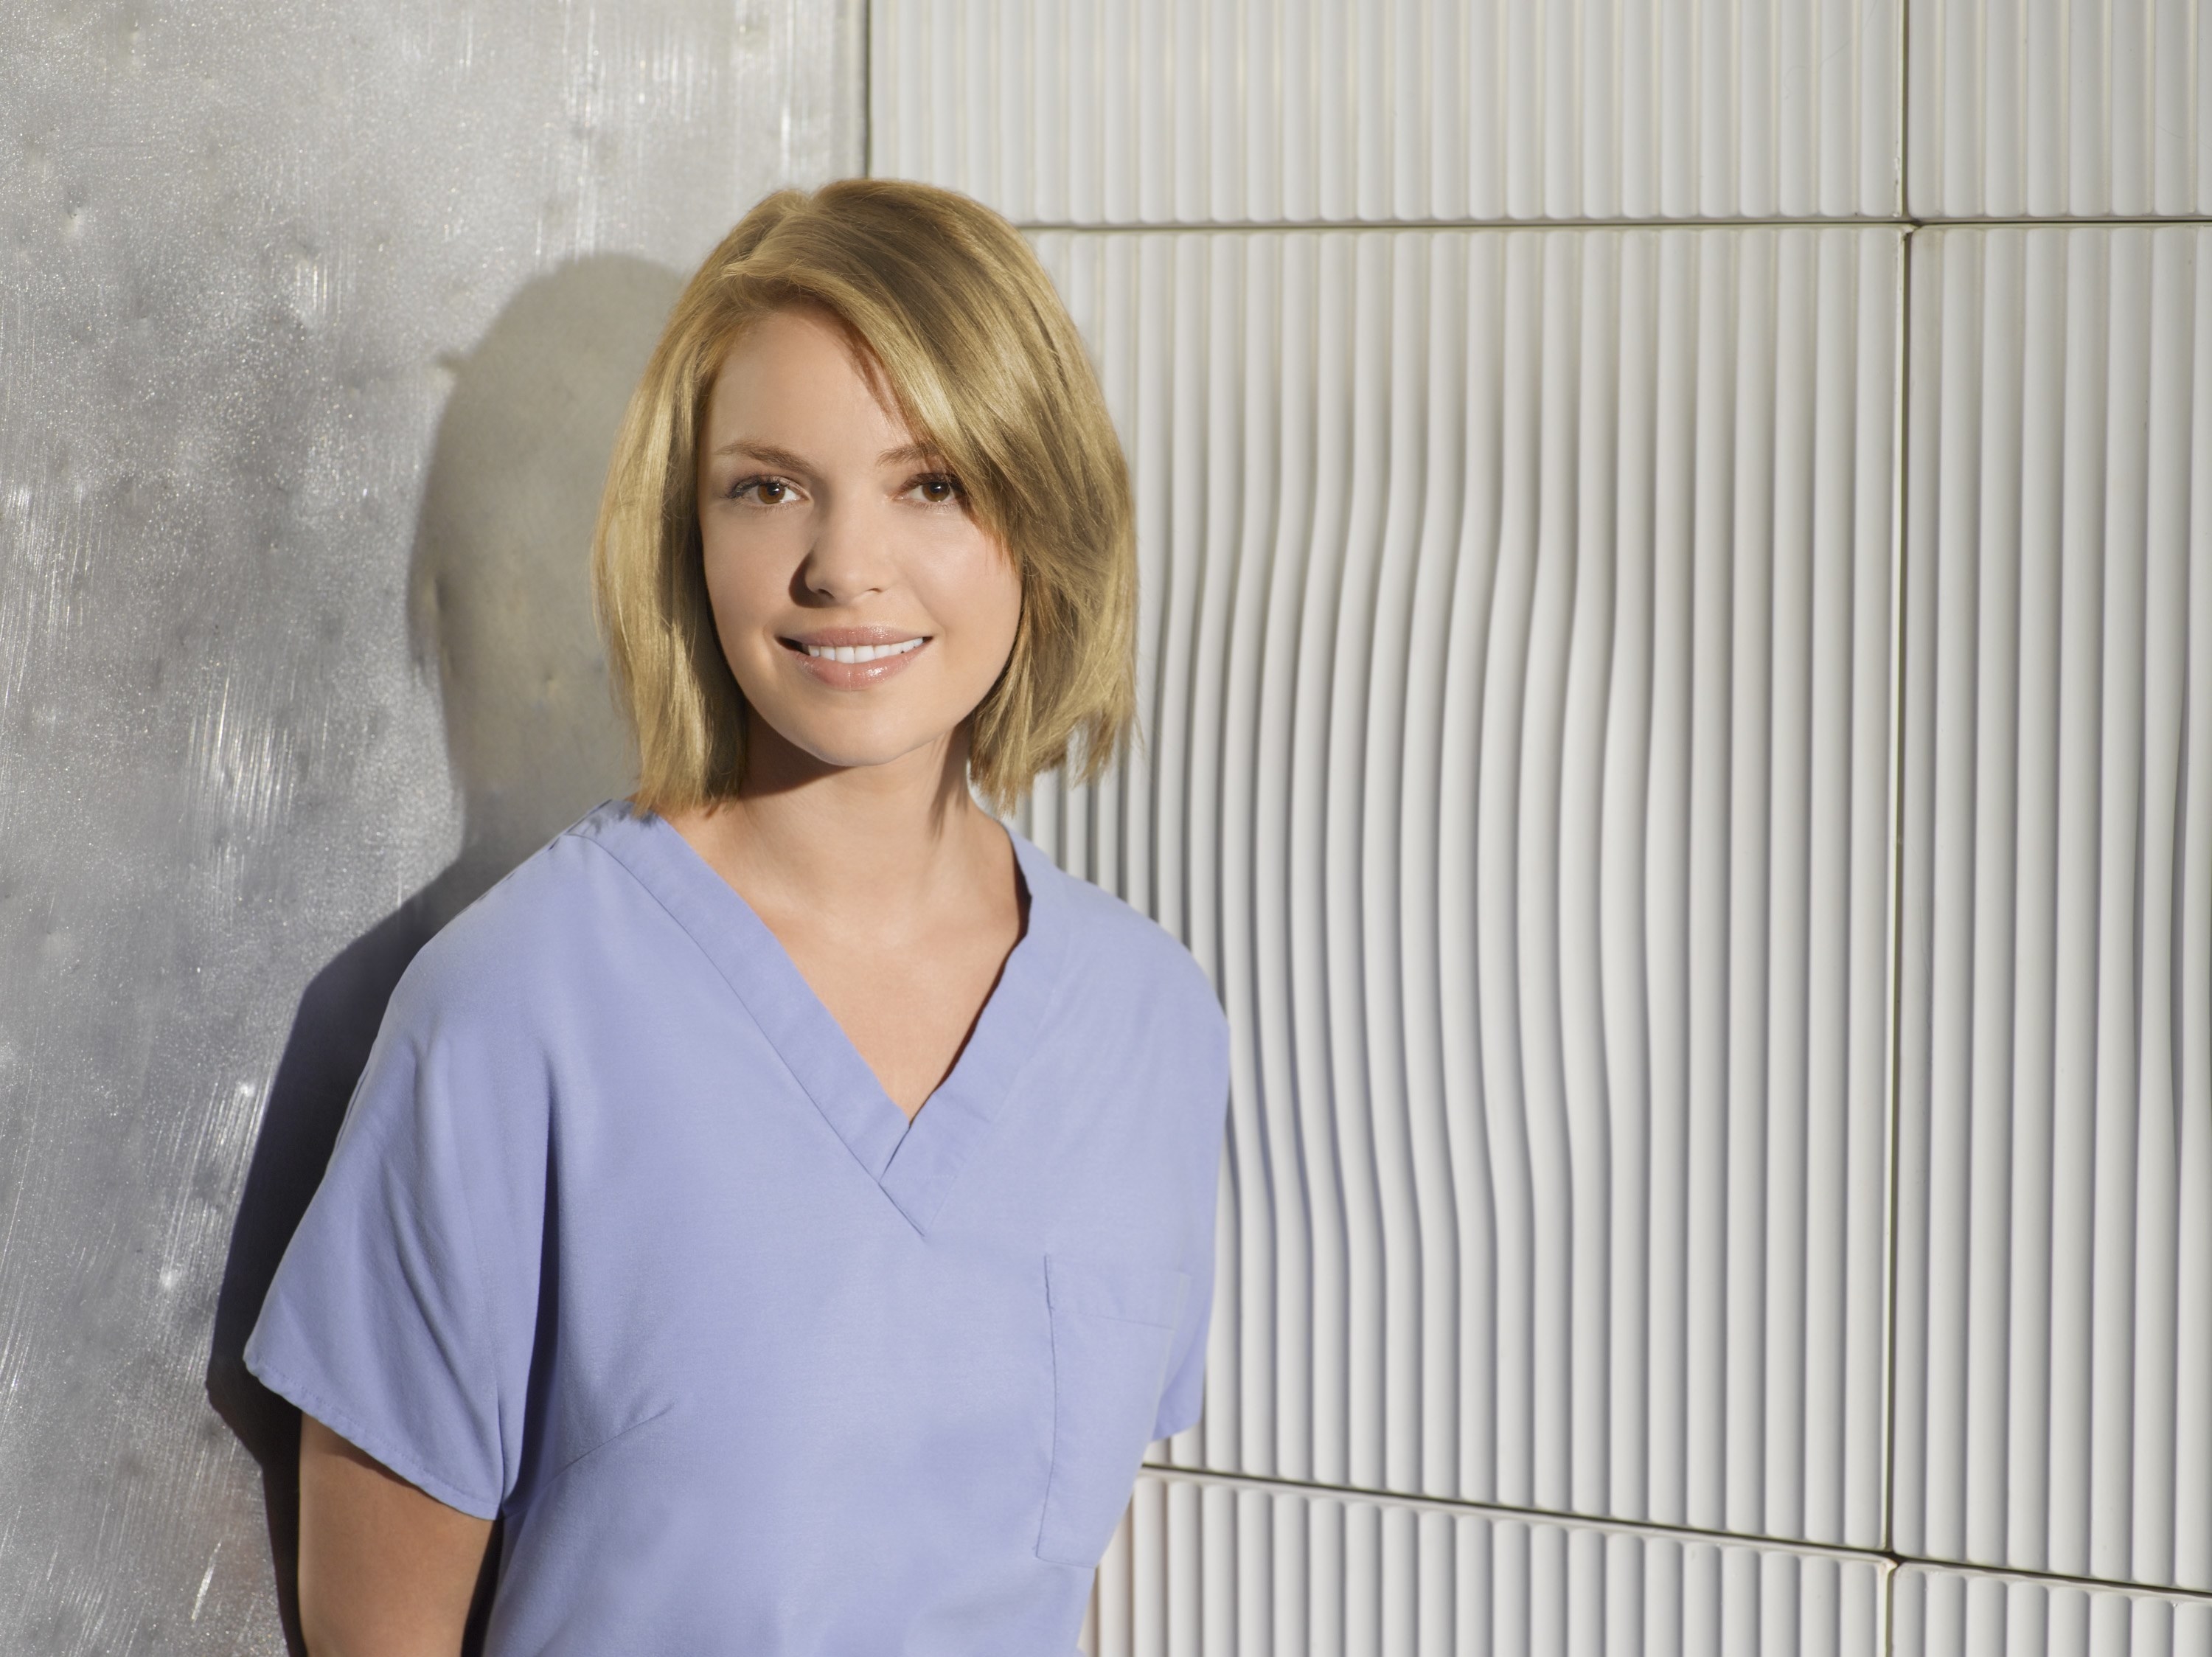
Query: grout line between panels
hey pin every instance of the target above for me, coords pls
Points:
(1901, 363)
(1892, 1117)
(2085, 222)
(1866, 221)
(1887, 1560)
(1892, 1120)
(1452, 1505)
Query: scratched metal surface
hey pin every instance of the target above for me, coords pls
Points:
(315, 320)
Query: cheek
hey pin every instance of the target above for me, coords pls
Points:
(741, 589)
(990, 593)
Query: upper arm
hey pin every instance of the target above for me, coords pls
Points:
(385, 1569)
(403, 1315)
(401, 1322)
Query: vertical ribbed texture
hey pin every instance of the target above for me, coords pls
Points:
(1520, 675)
(2055, 1207)
(1515, 667)
(1939, 1613)
(2059, 108)
(1122, 112)
(1200, 1569)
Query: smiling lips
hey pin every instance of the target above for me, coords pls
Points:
(853, 658)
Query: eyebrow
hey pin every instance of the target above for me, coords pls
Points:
(776, 456)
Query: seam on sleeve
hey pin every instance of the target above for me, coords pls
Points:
(342, 1421)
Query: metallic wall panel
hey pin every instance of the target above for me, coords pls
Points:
(1940, 1613)
(1124, 111)
(2059, 108)
(2054, 1242)
(307, 308)
(1216, 1568)
(1516, 643)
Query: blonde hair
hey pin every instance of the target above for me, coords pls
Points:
(951, 305)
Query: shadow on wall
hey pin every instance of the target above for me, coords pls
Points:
(499, 591)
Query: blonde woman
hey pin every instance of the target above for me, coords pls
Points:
(786, 1203)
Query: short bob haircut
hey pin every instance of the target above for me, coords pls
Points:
(943, 297)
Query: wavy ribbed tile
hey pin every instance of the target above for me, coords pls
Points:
(2059, 108)
(2054, 1200)
(1205, 1567)
(1940, 1613)
(1122, 111)
(1516, 660)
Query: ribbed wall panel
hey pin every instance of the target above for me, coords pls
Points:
(1126, 111)
(2054, 1320)
(1939, 1613)
(1215, 1569)
(1516, 667)
(2059, 108)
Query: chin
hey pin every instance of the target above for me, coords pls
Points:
(848, 748)
(854, 758)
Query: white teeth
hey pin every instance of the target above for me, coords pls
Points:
(861, 652)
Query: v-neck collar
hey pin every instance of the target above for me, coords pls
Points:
(915, 1162)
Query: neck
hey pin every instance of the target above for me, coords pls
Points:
(880, 846)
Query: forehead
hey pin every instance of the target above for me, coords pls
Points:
(800, 367)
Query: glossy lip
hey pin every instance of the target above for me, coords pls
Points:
(851, 675)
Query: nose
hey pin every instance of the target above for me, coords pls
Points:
(848, 557)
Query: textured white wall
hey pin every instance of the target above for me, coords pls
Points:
(2059, 108)
(1150, 112)
(2054, 1318)
(1684, 738)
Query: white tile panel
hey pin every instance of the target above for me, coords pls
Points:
(1205, 1568)
(1128, 111)
(1517, 665)
(2054, 1321)
(2059, 108)
(1940, 1613)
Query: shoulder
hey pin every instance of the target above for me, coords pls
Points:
(1143, 1023)
(537, 939)
(1119, 959)
(511, 993)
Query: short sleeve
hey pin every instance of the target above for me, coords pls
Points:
(1184, 1397)
(402, 1312)
(1180, 1405)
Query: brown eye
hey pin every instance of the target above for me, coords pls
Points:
(763, 485)
(939, 487)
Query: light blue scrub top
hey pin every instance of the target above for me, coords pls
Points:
(623, 1239)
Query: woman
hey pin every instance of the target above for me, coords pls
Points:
(785, 1201)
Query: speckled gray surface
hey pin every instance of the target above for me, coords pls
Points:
(315, 320)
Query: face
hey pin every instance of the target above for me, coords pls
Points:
(863, 609)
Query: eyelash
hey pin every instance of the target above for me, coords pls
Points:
(738, 489)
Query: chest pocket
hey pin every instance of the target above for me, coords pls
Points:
(1113, 1323)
